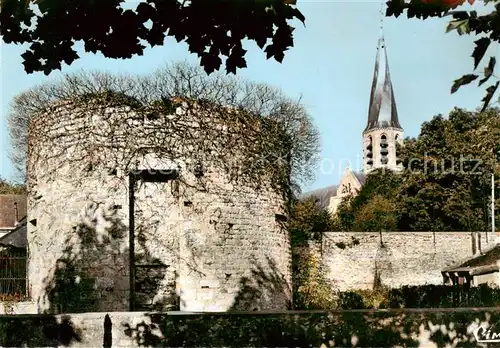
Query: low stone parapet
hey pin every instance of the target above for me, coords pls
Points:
(361, 328)
(26, 307)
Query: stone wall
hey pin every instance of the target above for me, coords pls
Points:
(406, 258)
(25, 307)
(204, 235)
(363, 328)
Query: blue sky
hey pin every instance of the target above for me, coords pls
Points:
(331, 67)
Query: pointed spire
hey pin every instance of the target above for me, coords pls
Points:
(382, 111)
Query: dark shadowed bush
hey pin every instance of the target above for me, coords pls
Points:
(425, 296)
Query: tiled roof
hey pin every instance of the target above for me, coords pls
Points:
(360, 177)
(17, 237)
(487, 261)
(323, 195)
(8, 212)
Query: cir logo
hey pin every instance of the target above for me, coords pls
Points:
(487, 335)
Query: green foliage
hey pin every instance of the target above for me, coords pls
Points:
(311, 289)
(425, 296)
(307, 222)
(363, 299)
(7, 188)
(380, 182)
(374, 207)
(486, 25)
(212, 29)
(447, 181)
(445, 185)
(378, 214)
(350, 300)
(345, 215)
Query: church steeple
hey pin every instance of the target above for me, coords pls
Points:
(382, 110)
(383, 131)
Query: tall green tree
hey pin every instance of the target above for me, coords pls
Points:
(345, 216)
(378, 192)
(445, 184)
(377, 214)
(447, 180)
(307, 221)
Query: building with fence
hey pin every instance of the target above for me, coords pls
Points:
(13, 247)
(12, 211)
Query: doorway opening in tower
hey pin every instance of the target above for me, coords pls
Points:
(153, 243)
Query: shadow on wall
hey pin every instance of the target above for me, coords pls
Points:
(93, 273)
(409, 328)
(92, 265)
(366, 328)
(37, 331)
(264, 289)
(306, 329)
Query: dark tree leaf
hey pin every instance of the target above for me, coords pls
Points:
(210, 62)
(279, 55)
(490, 91)
(270, 51)
(485, 25)
(297, 14)
(261, 41)
(488, 70)
(481, 47)
(464, 80)
(105, 27)
(461, 25)
(458, 14)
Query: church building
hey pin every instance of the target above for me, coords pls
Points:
(383, 131)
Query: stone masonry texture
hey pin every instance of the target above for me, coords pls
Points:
(406, 258)
(204, 239)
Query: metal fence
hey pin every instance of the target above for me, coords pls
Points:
(13, 272)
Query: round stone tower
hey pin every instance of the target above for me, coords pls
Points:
(193, 181)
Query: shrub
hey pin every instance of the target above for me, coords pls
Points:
(350, 300)
(311, 289)
(425, 296)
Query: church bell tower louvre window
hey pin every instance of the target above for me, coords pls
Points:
(384, 151)
(369, 152)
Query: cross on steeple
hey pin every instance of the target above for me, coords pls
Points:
(381, 18)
